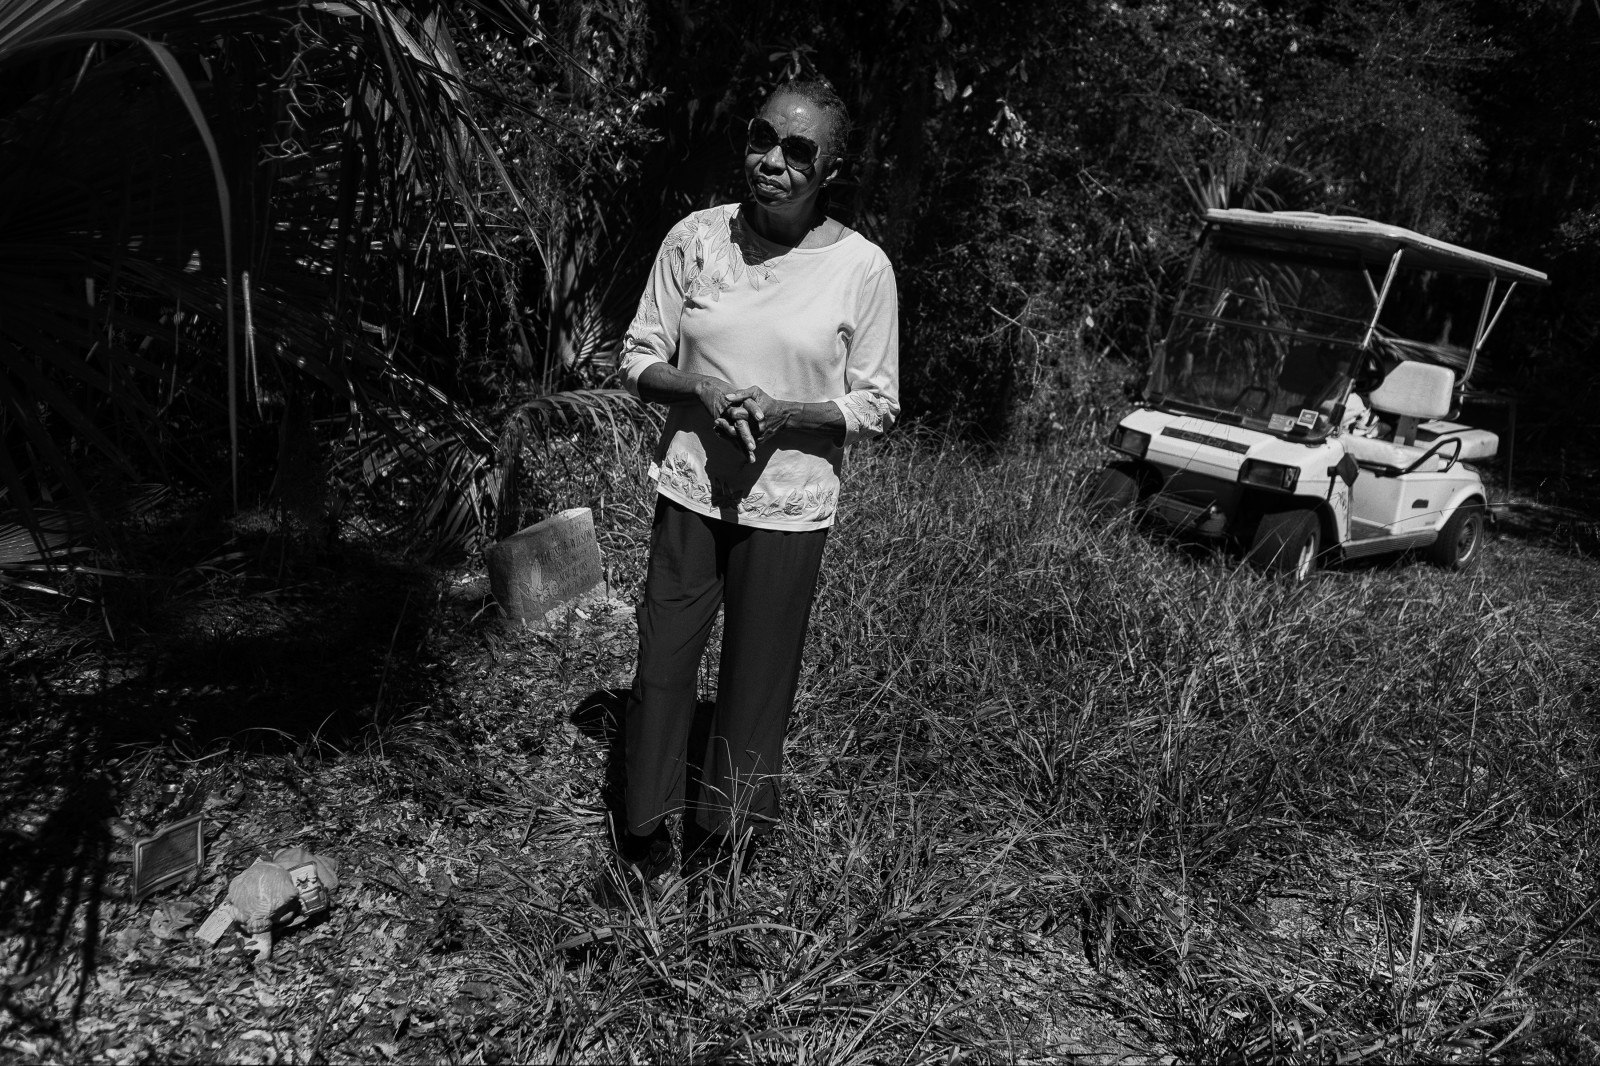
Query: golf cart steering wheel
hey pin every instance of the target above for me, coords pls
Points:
(1266, 395)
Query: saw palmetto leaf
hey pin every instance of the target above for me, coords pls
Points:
(606, 415)
(463, 484)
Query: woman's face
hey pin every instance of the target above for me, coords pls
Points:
(777, 182)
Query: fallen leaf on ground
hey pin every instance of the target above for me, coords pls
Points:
(169, 920)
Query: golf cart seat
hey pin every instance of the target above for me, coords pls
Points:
(1475, 443)
(1409, 393)
(1388, 459)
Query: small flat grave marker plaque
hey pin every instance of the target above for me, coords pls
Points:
(167, 857)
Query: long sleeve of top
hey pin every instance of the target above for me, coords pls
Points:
(805, 324)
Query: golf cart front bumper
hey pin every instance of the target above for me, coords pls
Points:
(1194, 505)
(1188, 516)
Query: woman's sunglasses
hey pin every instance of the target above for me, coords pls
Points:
(799, 153)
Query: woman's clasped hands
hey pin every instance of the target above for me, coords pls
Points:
(748, 417)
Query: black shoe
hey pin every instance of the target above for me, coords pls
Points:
(651, 855)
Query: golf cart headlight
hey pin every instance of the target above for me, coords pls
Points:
(1273, 476)
(1130, 441)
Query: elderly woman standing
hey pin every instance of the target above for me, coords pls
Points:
(771, 331)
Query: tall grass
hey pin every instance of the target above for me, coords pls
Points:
(1055, 789)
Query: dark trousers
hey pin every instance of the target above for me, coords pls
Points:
(765, 581)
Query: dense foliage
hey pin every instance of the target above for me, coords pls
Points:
(399, 230)
(1034, 169)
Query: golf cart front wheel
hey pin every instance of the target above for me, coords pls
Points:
(1288, 544)
(1115, 492)
(1461, 540)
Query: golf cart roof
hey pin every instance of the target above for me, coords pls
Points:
(1375, 242)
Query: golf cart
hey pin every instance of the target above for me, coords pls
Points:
(1289, 409)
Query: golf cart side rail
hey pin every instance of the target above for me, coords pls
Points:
(1375, 242)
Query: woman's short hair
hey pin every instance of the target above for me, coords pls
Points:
(820, 95)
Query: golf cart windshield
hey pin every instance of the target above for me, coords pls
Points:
(1265, 337)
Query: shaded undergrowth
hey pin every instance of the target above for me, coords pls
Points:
(124, 704)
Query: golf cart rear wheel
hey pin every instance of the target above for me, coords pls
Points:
(1461, 540)
(1288, 544)
(1115, 492)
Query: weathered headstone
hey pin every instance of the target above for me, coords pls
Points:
(547, 568)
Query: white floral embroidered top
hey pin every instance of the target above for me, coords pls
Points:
(806, 324)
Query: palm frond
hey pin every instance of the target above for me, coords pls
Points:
(40, 25)
(603, 414)
(30, 24)
(55, 534)
(319, 164)
(463, 489)
(1250, 166)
